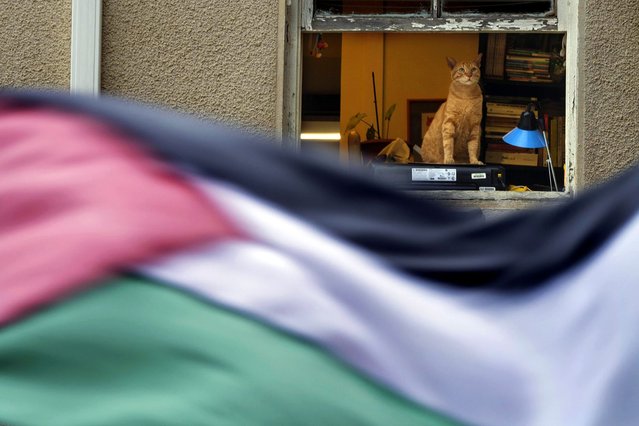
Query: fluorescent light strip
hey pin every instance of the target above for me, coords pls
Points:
(321, 136)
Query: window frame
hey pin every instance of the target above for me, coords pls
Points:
(435, 21)
(567, 18)
(86, 40)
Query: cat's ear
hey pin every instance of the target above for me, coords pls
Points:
(451, 62)
(478, 60)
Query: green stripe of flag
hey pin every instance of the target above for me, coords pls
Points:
(135, 353)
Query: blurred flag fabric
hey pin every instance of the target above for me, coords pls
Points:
(160, 269)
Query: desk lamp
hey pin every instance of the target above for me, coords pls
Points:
(530, 133)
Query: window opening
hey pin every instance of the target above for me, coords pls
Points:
(412, 75)
(321, 64)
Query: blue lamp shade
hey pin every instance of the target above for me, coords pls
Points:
(524, 138)
(526, 134)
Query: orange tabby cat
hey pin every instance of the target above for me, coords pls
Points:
(454, 135)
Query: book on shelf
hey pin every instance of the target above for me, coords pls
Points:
(515, 62)
(500, 129)
(508, 122)
(530, 79)
(504, 111)
(505, 147)
(499, 152)
(490, 56)
(532, 66)
(494, 139)
(505, 116)
(509, 101)
(528, 76)
(512, 158)
(530, 53)
(501, 119)
(500, 47)
(504, 99)
(528, 62)
(506, 107)
(495, 55)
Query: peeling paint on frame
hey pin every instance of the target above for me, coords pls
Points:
(403, 23)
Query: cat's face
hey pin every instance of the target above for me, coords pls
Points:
(465, 72)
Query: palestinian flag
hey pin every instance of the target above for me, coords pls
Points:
(157, 269)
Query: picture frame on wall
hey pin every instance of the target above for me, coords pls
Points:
(420, 114)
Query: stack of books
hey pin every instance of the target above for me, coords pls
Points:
(530, 66)
(502, 116)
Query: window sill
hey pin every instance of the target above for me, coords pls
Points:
(494, 203)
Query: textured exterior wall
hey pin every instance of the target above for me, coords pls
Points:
(35, 43)
(214, 58)
(218, 58)
(611, 92)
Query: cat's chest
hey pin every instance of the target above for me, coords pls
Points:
(469, 108)
(465, 115)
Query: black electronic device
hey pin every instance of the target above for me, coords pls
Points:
(422, 176)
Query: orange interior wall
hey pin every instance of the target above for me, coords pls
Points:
(415, 68)
(362, 54)
(406, 66)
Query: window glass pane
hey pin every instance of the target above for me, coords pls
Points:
(497, 6)
(363, 7)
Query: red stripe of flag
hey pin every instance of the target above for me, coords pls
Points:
(77, 202)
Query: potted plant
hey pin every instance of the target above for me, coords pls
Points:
(371, 132)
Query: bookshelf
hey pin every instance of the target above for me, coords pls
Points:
(519, 69)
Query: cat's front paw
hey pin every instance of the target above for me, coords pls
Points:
(479, 163)
(449, 160)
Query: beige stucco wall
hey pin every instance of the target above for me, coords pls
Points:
(35, 42)
(610, 88)
(216, 59)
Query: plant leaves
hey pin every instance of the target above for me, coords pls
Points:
(354, 121)
(389, 112)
